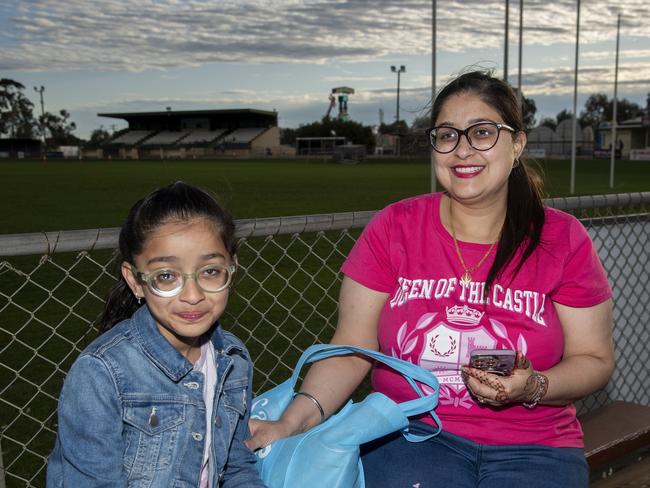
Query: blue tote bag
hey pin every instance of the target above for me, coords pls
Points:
(327, 456)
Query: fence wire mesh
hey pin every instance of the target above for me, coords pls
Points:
(52, 290)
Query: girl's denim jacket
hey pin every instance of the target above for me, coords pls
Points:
(131, 413)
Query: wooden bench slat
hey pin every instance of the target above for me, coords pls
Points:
(612, 431)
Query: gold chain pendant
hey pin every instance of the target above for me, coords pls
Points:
(466, 279)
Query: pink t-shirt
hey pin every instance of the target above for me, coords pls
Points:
(431, 319)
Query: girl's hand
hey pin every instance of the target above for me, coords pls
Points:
(265, 432)
(495, 390)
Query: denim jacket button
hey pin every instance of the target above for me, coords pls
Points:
(197, 436)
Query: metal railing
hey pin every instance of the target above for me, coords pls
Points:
(53, 284)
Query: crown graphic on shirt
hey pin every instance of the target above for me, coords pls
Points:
(463, 315)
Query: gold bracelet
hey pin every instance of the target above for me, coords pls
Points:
(313, 399)
(540, 389)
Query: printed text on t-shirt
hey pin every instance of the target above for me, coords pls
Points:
(528, 302)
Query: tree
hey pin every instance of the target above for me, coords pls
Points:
(422, 123)
(16, 111)
(599, 109)
(529, 109)
(99, 137)
(327, 127)
(549, 122)
(563, 115)
(59, 128)
(596, 111)
(626, 110)
(397, 127)
(287, 136)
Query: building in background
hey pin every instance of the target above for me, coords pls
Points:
(632, 138)
(20, 148)
(544, 142)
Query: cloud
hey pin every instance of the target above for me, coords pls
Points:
(335, 37)
(627, 54)
(123, 35)
(591, 79)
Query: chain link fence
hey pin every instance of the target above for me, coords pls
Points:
(52, 288)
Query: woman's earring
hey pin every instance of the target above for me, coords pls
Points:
(139, 299)
(516, 163)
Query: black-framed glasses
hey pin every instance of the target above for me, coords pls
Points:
(169, 282)
(482, 136)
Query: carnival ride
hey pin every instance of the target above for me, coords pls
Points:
(343, 92)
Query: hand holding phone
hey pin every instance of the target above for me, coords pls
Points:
(496, 361)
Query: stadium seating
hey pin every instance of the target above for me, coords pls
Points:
(243, 135)
(201, 136)
(165, 138)
(131, 137)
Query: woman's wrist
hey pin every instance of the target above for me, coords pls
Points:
(536, 388)
(315, 401)
(302, 414)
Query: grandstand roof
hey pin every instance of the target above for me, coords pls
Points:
(190, 113)
(177, 120)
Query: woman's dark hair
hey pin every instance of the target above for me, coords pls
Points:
(525, 207)
(176, 202)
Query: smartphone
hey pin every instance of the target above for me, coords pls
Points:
(497, 361)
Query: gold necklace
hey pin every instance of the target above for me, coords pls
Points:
(467, 276)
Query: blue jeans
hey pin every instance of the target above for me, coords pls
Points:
(448, 460)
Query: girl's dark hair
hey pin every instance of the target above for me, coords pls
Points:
(525, 207)
(176, 202)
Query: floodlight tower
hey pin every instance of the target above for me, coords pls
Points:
(40, 91)
(402, 69)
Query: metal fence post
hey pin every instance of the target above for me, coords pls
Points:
(2, 468)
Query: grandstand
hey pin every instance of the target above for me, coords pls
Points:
(196, 134)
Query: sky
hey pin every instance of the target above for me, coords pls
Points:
(286, 55)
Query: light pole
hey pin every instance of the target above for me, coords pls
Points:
(505, 47)
(42, 124)
(521, 44)
(402, 69)
(612, 155)
(434, 8)
(574, 127)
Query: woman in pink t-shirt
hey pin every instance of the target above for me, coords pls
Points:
(483, 265)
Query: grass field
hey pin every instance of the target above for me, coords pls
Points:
(62, 195)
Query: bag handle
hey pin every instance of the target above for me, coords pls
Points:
(411, 372)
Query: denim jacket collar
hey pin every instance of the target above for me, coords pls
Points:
(161, 353)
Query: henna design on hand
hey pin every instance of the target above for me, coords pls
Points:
(502, 397)
(488, 379)
(493, 382)
(530, 387)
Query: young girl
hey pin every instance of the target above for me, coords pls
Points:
(162, 397)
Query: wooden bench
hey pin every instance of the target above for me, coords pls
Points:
(613, 432)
